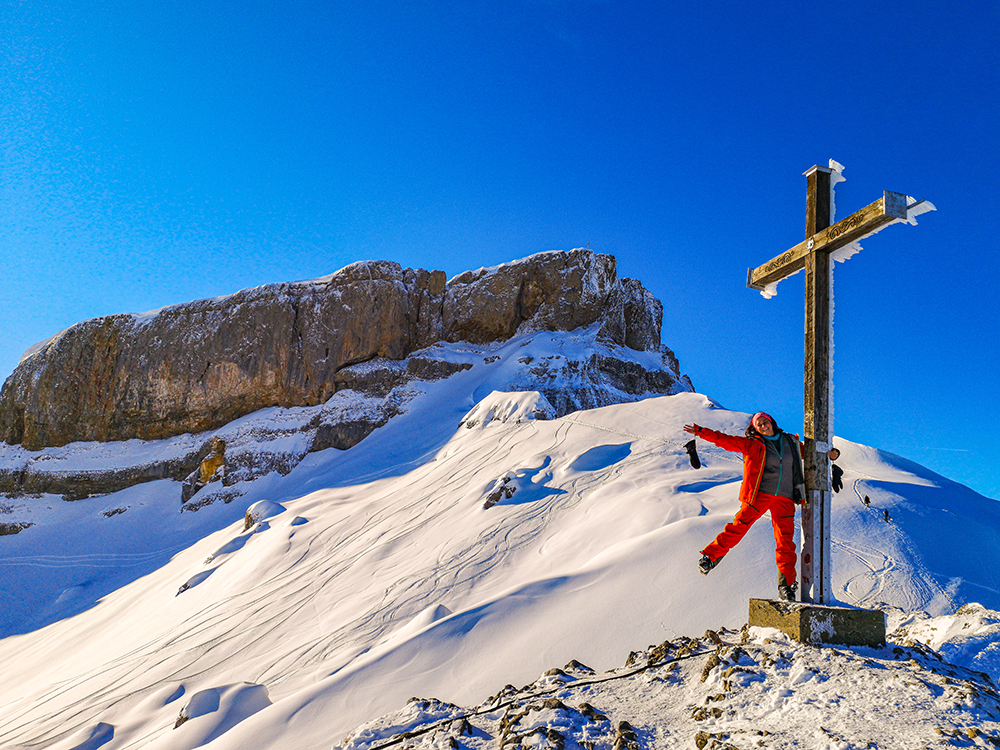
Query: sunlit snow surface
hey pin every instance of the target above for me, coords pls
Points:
(384, 577)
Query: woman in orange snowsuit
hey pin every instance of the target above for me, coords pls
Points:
(772, 481)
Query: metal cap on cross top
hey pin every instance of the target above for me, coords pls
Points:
(824, 242)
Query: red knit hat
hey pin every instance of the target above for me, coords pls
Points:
(763, 414)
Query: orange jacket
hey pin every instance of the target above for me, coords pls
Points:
(754, 452)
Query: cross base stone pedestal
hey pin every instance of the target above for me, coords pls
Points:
(820, 623)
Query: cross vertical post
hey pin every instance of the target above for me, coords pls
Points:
(814, 256)
(815, 564)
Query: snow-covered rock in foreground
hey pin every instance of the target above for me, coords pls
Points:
(385, 578)
(729, 689)
(970, 637)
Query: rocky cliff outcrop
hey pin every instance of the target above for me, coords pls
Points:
(197, 366)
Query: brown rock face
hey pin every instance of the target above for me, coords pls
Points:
(550, 291)
(200, 365)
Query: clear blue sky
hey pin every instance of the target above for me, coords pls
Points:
(154, 153)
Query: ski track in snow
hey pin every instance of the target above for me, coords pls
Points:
(873, 581)
(118, 559)
(922, 585)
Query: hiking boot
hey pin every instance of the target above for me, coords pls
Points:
(787, 593)
(706, 563)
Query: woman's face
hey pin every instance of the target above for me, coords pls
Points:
(763, 425)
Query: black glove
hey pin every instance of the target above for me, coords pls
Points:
(693, 454)
(838, 478)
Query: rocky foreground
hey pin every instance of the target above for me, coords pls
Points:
(729, 690)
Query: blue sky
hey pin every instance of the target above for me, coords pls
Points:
(154, 153)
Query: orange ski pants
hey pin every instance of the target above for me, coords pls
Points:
(782, 519)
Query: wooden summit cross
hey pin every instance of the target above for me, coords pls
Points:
(814, 255)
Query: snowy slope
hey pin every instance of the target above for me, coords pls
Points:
(377, 574)
(93, 558)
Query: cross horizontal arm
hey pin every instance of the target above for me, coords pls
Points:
(887, 209)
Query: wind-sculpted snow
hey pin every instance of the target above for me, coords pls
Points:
(376, 574)
(210, 713)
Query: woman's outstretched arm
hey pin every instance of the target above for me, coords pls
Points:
(735, 443)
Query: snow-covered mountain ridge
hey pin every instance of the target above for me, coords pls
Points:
(277, 439)
(167, 391)
(200, 365)
(375, 574)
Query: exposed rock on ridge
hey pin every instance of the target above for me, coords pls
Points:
(197, 366)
